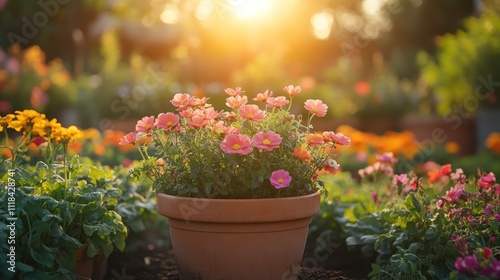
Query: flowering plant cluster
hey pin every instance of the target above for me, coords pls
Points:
(61, 203)
(438, 225)
(246, 152)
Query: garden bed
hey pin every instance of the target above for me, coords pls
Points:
(159, 263)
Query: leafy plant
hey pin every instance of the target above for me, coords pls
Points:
(246, 153)
(60, 203)
(464, 73)
(428, 225)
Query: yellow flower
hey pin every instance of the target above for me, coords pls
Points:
(28, 119)
(91, 134)
(66, 135)
(4, 121)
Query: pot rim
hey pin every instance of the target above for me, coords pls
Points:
(238, 210)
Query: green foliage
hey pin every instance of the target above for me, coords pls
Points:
(56, 216)
(465, 71)
(189, 160)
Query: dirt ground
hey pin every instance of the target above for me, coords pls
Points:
(160, 264)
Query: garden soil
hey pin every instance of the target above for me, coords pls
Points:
(160, 264)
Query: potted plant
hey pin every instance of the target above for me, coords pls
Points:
(464, 77)
(238, 188)
(62, 209)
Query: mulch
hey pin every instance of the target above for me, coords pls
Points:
(157, 263)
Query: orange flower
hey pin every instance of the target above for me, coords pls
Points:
(452, 147)
(314, 139)
(302, 154)
(99, 149)
(493, 142)
(436, 175)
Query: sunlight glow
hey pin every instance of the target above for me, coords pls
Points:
(248, 9)
(372, 7)
(322, 24)
(204, 10)
(170, 14)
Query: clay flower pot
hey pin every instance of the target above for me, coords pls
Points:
(238, 238)
(84, 264)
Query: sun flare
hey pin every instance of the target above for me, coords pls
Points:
(250, 9)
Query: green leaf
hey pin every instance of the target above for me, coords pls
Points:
(413, 205)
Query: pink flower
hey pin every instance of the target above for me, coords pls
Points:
(413, 184)
(199, 102)
(252, 112)
(263, 96)
(280, 179)
(186, 113)
(145, 125)
(455, 193)
(316, 107)
(439, 204)
(386, 158)
(237, 144)
(337, 138)
(198, 119)
(233, 92)
(128, 139)
(167, 121)
(231, 130)
(266, 140)
(279, 101)
(487, 180)
(292, 90)
(181, 100)
(210, 113)
(400, 180)
(236, 102)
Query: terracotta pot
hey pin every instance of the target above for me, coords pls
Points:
(238, 239)
(84, 264)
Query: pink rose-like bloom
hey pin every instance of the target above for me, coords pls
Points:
(337, 138)
(413, 184)
(292, 90)
(263, 96)
(237, 144)
(280, 179)
(219, 127)
(266, 140)
(236, 102)
(387, 158)
(252, 112)
(231, 130)
(233, 92)
(198, 119)
(487, 180)
(199, 102)
(186, 113)
(145, 125)
(400, 179)
(467, 264)
(455, 193)
(210, 113)
(128, 139)
(439, 204)
(181, 100)
(279, 101)
(167, 121)
(316, 107)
